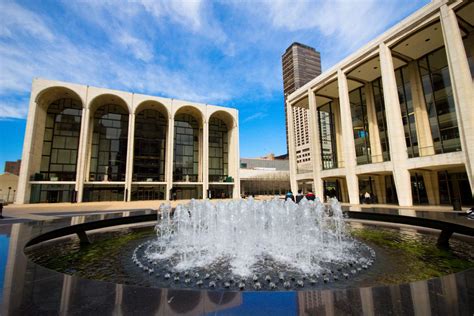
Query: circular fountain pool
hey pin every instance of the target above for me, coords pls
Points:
(249, 245)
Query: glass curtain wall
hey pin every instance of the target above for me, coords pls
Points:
(61, 141)
(218, 150)
(381, 120)
(52, 193)
(150, 146)
(390, 190)
(408, 112)
(439, 101)
(327, 136)
(418, 189)
(109, 144)
(360, 126)
(186, 149)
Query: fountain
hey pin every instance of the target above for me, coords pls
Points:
(268, 245)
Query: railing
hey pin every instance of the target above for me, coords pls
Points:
(219, 178)
(185, 178)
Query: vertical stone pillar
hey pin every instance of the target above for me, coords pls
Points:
(205, 158)
(130, 154)
(338, 134)
(82, 152)
(380, 189)
(169, 155)
(315, 144)
(431, 181)
(348, 139)
(24, 188)
(395, 130)
(462, 86)
(234, 151)
(374, 136)
(292, 148)
(422, 123)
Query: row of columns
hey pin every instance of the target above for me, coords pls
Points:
(462, 84)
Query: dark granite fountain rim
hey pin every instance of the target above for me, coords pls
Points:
(464, 293)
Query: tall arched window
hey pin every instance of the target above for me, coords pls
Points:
(61, 140)
(218, 150)
(109, 144)
(150, 146)
(186, 149)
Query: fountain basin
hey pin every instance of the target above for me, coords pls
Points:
(30, 288)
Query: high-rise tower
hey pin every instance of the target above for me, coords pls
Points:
(301, 64)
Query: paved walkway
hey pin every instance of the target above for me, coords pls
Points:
(48, 211)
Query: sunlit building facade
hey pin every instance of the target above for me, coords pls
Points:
(84, 144)
(396, 118)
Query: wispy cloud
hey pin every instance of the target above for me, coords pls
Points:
(14, 110)
(16, 19)
(218, 52)
(255, 116)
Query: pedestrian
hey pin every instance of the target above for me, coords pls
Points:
(367, 197)
(290, 196)
(299, 196)
(310, 196)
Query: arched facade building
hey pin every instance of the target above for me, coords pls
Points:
(86, 144)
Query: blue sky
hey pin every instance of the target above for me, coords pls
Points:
(218, 52)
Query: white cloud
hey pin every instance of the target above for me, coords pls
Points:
(140, 49)
(185, 12)
(17, 20)
(347, 23)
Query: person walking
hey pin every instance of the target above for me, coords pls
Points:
(299, 196)
(290, 196)
(310, 196)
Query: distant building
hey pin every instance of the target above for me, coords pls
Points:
(13, 167)
(300, 64)
(264, 176)
(8, 187)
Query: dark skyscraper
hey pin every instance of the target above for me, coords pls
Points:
(300, 64)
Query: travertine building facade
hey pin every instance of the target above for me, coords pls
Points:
(84, 143)
(396, 118)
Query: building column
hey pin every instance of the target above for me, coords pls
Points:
(422, 123)
(130, 154)
(380, 189)
(315, 144)
(205, 159)
(462, 86)
(24, 188)
(292, 148)
(234, 150)
(348, 139)
(395, 130)
(82, 156)
(374, 136)
(169, 156)
(430, 178)
(338, 134)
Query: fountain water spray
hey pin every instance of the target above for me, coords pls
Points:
(248, 237)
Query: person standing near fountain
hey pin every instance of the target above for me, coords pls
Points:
(290, 196)
(310, 196)
(299, 196)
